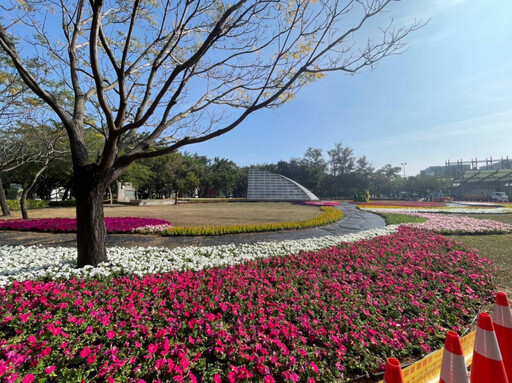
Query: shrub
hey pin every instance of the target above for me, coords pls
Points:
(209, 200)
(14, 204)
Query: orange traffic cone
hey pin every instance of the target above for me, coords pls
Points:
(502, 318)
(393, 372)
(453, 368)
(487, 363)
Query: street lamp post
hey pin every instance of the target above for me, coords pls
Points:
(403, 165)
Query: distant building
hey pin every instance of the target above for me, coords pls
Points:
(14, 192)
(125, 191)
(266, 186)
(476, 179)
(483, 182)
(452, 171)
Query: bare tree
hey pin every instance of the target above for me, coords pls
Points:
(15, 151)
(161, 75)
(17, 146)
(49, 145)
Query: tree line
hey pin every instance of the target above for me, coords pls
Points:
(41, 164)
(340, 174)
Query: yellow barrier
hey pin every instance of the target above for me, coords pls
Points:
(428, 369)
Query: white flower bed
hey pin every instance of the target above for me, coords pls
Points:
(28, 263)
(451, 210)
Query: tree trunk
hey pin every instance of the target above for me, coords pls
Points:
(3, 200)
(111, 195)
(23, 204)
(90, 220)
(24, 194)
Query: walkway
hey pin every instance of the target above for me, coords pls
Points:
(354, 221)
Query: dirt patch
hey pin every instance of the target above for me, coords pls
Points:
(232, 213)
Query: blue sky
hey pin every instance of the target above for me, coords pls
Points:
(448, 97)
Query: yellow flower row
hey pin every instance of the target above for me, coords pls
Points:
(328, 215)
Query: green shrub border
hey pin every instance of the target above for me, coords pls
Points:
(184, 201)
(14, 204)
(328, 215)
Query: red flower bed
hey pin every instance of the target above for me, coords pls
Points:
(313, 317)
(68, 225)
(402, 203)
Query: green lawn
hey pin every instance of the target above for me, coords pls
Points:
(396, 219)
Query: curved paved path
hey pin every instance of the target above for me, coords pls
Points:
(354, 221)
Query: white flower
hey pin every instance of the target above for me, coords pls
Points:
(33, 262)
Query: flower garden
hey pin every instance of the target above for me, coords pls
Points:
(315, 316)
(315, 310)
(442, 219)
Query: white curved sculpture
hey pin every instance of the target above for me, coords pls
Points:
(266, 186)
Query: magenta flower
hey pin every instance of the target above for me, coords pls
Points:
(85, 352)
(68, 225)
(152, 349)
(289, 318)
(49, 369)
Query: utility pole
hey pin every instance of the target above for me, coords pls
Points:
(403, 165)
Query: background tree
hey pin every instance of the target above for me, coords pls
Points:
(182, 72)
(223, 176)
(18, 147)
(49, 146)
(341, 160)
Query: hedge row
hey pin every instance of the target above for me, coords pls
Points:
(329, 215)
(209, 200)
(14, 205)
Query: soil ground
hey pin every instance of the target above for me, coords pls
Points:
(200, 214)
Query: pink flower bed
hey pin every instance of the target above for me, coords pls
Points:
(445, 223)
(313, 317)
(401, 203)
(68, 225)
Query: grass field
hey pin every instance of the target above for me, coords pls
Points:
(233, 213)
(498, 248)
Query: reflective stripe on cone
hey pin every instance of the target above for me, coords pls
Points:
(453, 367)
(502, 318)
(487, 362)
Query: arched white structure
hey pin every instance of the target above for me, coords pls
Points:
(266, 186)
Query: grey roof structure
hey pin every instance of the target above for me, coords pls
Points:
(266, 186)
